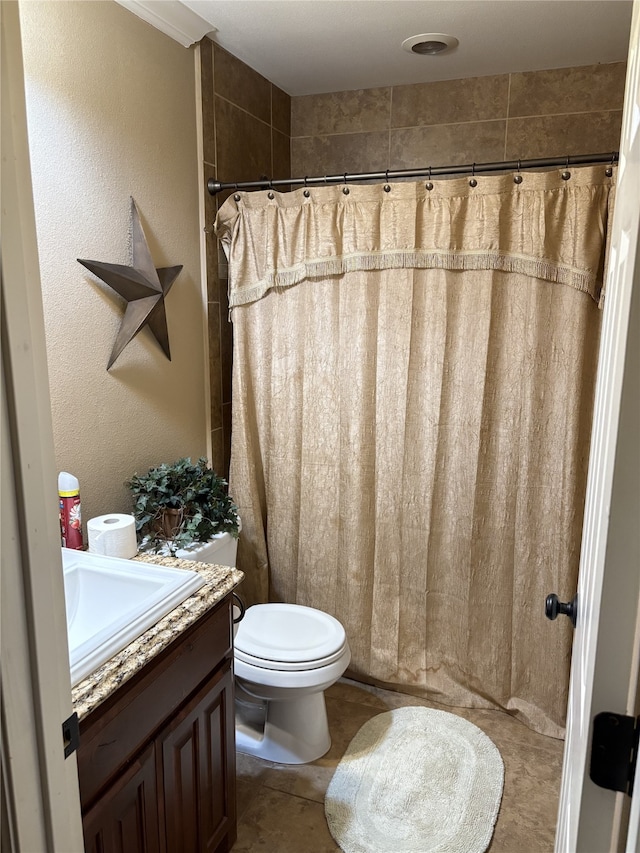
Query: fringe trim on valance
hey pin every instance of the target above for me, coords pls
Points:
(580, 279)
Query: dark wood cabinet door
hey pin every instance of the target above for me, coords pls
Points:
(120, 727)
(125, 820)
(196, 753)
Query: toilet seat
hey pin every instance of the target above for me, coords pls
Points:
(289, 638)
(288, 666)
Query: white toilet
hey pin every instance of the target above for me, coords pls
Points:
(286, 656)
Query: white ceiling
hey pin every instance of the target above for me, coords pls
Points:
(312, 46)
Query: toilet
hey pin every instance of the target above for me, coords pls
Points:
(285, 657)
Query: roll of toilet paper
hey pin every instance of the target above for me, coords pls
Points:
(113, 535)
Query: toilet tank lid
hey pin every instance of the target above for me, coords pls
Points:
(288, 632)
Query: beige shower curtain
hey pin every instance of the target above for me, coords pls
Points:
(412, 394)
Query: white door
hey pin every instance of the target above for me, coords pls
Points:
(604, 668)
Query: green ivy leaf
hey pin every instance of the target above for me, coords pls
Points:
(194, 488)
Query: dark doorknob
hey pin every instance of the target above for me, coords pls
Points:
(553, 607)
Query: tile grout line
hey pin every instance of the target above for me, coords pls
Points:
(290, 794)
(451, 123)
(219, 419)
(390, 122)
(215, 120)
(242, 109)
(212, 95)
(506, 124)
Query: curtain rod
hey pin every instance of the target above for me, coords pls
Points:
(429, 172)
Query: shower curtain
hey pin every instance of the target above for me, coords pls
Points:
(412, 391)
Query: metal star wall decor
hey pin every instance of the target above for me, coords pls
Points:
(143, 286)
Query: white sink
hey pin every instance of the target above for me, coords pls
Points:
(110, 602)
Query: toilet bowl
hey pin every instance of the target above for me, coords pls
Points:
(285, 657)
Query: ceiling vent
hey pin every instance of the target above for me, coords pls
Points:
(430, 44)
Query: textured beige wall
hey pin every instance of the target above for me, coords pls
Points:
(112, 114)
(477, 119)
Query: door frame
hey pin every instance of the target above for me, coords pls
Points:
(604, 666)
(39, 788)
(40, 798)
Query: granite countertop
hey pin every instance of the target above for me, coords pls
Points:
(102, 682)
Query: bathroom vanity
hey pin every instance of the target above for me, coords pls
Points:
(156, 760)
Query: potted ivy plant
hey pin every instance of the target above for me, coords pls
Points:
(181, 504)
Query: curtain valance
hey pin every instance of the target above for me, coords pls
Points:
(543, 227)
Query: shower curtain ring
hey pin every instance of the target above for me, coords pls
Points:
(387, 188)
(429, 185)
(566, 174)
(473, 182)
(306, 192)
(609, 170)
(237, 194)
(517, 179)
(270, 194)
(345, 188)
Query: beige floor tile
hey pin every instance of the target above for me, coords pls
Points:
(281, 823)
(384, 700)
(246, 793)
(498, 725)
(527, 818)
(364, 694)
(251, 769)
(282, 805)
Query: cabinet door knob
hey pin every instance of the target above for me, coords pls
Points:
(553, 608)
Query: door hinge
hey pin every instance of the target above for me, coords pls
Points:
(71, 734)
(614, 751)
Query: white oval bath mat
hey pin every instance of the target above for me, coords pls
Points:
(416, 780)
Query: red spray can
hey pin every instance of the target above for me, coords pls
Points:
(70, 512)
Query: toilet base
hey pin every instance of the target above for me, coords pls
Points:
(293, 731)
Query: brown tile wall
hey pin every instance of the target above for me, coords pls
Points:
(479, 119)
(246, 127)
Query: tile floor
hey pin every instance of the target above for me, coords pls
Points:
(281, 807)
